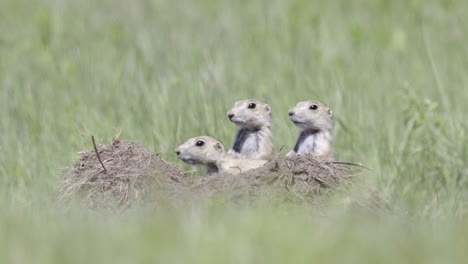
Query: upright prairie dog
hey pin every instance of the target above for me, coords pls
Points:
(209, 152)
(316, 137)
(254, 139)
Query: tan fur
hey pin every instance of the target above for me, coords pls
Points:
(254, 139)
(236, 166)
(316, 136)
(212, 155)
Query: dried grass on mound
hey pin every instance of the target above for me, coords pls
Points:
(295, 177)
(133, 173)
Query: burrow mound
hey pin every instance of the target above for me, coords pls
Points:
(133, 173)
(299, 177)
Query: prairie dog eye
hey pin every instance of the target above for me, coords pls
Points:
(252, 105)
(313, 107)
(200, 143)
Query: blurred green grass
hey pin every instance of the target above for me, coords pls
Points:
(163, 71)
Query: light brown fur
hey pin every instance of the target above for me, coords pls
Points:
(211, 154)
(254, 139)
(316, 136)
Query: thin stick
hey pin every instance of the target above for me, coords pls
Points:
(350, 163)
(97, 154)
(279, 152)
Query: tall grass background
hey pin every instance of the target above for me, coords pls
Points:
(394, 72)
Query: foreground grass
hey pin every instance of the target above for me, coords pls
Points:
(394, 73)
(249, 235)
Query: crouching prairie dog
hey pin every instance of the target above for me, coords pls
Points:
(316, 121)
(209, 152)
(254, 139)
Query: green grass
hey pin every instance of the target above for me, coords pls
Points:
(394, 73)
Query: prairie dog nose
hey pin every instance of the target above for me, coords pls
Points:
(177, 151)
(291, 113)
(230, 115)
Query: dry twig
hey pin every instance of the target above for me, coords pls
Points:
(97, 154)
(350, 163)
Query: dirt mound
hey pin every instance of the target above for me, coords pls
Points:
(130, 172)
(296, 177)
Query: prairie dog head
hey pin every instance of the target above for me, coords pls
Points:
(250, 114)
(202, 150)
(312, 115)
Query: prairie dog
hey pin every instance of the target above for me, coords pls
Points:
(209, 152)
(254, 139)
(316, 137)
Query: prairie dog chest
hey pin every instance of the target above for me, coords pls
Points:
(313, 142)
(306, 143)
(246, 142)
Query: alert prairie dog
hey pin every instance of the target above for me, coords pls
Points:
(254, 139)
(209, 152)
(316, 121)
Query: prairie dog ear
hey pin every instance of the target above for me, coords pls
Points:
(219, 147)
(267, 108)
(330, 112)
